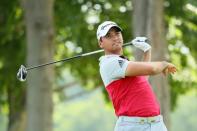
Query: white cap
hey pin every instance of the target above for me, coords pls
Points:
(104, 27)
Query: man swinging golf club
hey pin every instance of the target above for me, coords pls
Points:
(126, 81)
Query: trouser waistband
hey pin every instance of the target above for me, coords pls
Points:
(141, 119)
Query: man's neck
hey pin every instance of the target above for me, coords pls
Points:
(114, 53)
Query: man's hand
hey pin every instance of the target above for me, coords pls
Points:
(141, 43)
(169, 69)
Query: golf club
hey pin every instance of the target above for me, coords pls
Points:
(22, 72)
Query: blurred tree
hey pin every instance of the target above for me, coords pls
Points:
(139, 24)
(148, 21)
(40, 36)
(156, 33)
(12, 50)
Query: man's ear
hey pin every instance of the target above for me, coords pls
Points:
(100, 43)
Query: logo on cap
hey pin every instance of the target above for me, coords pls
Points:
(103, 27)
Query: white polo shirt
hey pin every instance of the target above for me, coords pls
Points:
(112, 67)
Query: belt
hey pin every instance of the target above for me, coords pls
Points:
(141, 120)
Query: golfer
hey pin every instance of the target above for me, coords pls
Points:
(127, 81)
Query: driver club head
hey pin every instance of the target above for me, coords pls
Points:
(22, 73)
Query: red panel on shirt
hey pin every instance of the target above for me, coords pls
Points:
(133, 96)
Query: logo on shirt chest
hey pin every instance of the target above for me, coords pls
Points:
(121, 62)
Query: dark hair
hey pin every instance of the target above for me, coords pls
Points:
(116, 28)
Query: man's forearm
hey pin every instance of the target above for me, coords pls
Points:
(147, 56)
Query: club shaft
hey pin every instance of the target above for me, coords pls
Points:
(70, 58)
(45, 64)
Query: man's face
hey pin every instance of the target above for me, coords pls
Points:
(112, 42)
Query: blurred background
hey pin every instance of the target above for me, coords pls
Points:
(70, 96)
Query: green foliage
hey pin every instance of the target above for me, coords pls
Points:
(187, 107)
(12, 54)
(86, 113)
(181, 18)
(175, 7)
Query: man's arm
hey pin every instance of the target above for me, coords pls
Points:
(149, 68)
(147, 56)
(146, 67)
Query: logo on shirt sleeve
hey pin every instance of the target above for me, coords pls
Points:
(121, 62)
